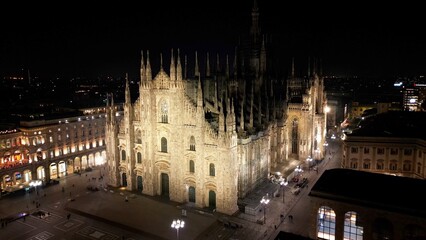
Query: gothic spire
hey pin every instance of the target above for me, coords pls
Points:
(197, 70)
(208, 66)
(148, 68)
(255, 29)
(199, 94)
(217, 63)
(227, 67)
(172, 67)
(178, 68)
(127, 91)
(142, 70)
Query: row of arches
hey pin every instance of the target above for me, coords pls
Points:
(381, 228)
(14, 179)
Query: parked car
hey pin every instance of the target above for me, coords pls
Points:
(302, 183)
(295, 190)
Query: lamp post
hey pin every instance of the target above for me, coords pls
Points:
(283, 184)
(176, 224)
(264, 201)
(34, 184)
(309, 160)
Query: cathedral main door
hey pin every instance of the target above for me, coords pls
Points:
(212, 199)
(124, 180)
(164, 185)
(140, 185)
(191, 194)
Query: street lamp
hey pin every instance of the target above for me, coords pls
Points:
(309, 160)
(283, 184)
(264, 201)
(35, 183)
(176, 224)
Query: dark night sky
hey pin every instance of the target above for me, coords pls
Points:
(70, 40)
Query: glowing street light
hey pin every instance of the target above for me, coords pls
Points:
(176, 224)
(35, 183)
(309, 160)
(264, 201)
(283, 184)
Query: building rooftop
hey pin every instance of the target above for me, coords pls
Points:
(374, 190)
(401, 124)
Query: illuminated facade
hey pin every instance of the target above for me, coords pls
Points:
(394, 144)
(51, 148)
(211, 138)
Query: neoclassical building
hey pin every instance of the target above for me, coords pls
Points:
(52, 147)
(390, 143)
(211, 137)
(352, 204)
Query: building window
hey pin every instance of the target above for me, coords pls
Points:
(408, 152)
(164, 112)
(51, 139)
(192, 143)
(393, 166)
(326, 223)
(163, 144)
(419, 168)
(59, 137)
(380, 151)
(123, 155)
(212, 170)
(191, 166)
(354, 165)
(420, 154)
(366, 150)
(139, 157)
(366, 165)
(406, 166)
(354, 150)
(380, 165)
(351, 230)
(394, 151)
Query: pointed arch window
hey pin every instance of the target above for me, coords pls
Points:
(164, 144)
(123, 155)
(138, 137)
(139, 157)
(164, 112)
(192, 143)
(212, 170)
(191, 166)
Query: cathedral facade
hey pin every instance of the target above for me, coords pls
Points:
(210, 139)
